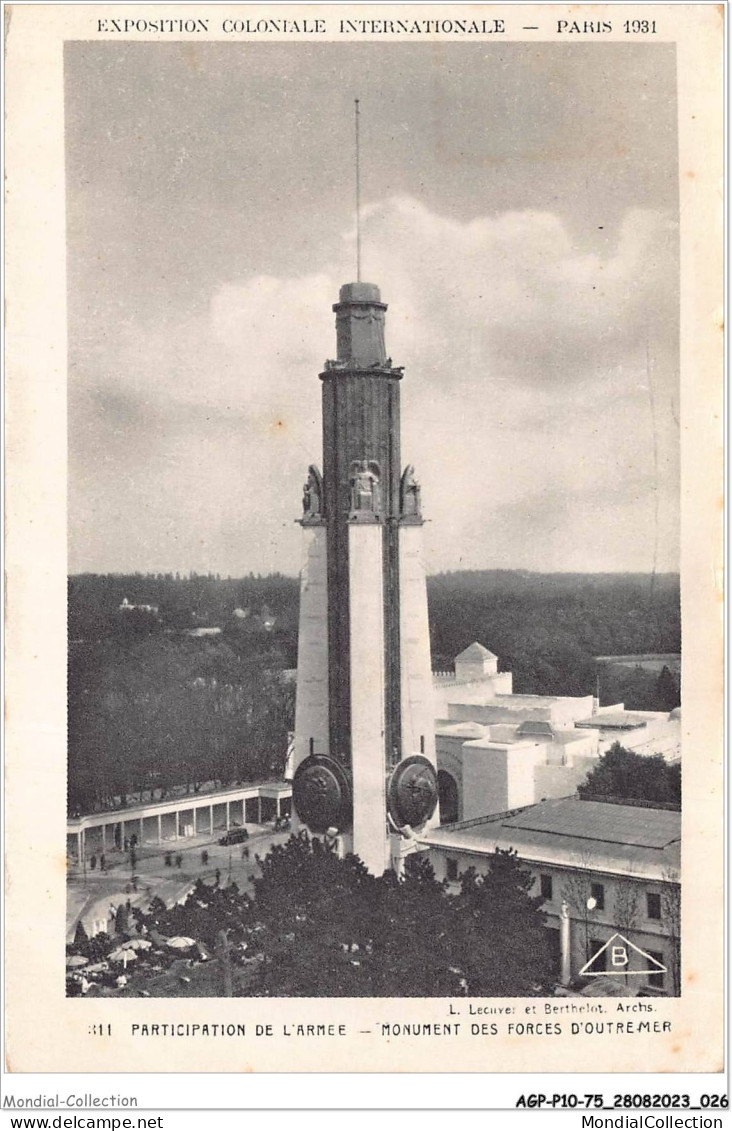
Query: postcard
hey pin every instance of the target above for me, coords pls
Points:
(364, 538)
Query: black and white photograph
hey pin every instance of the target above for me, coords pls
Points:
(374, 522)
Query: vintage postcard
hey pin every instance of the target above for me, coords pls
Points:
(364, 538)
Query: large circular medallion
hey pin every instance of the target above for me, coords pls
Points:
(321, 794)
(412, 792)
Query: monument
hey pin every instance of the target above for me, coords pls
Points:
(364, 754)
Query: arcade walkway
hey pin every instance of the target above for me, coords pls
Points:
(157, 822)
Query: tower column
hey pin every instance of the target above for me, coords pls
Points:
(417, 707)
(368, 762)
(364, 678)
(311, 705)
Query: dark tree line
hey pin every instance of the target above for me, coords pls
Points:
(640, 689)
(151, 708)
(622, 774)
(149, 714)
(184, 602)
(320, 926)
(547, 628)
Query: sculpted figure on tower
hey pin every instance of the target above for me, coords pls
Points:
(364, 480)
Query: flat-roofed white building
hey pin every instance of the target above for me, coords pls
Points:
(645, 732)
(603, 870)
(489, 769)
(497, 750)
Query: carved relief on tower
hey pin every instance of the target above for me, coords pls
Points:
(322, 794)
(410, 496)
(312, 497)
(412, 792)
(365, 491)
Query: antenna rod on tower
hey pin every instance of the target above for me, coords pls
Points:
(358, 199)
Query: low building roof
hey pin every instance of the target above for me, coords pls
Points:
(460, 730)
(539, 728)
(619, 720)
(512, 743)
(590, 835)
(521, 700)
(476, 652)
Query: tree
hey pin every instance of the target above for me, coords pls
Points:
(668, 692)
(151, 713)
(622, 773)
(505, 948)
(121, 920)
(671, 919)
(80, 935)
(577, 893)
(326, 927)
(224, 957)
(627, 903)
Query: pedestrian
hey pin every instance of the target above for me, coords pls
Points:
(102, 863)
(128, 904)
(218, 876)
(179, 861)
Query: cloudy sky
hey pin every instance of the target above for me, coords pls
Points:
(520, 217)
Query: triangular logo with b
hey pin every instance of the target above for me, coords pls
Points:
(619, 956)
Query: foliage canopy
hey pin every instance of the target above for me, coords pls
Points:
(622, 773)
(317, 925)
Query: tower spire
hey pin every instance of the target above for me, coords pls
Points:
(358, 193)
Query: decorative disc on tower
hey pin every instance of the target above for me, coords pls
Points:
(321, 794)
(412, 793)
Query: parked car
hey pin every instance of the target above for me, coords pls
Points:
(234, 836)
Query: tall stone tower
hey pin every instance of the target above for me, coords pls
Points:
(364, 754)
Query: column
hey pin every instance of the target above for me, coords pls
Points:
(277, 807)
(210, 820)
(78, 847)
(104, 838)
(311, 704)
(564, 945)
(141, 832)
(160, 828)
(177, 824)
(228, 815)
(259, 809)
(368, 762)
(417, 706)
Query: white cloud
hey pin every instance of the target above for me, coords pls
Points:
(525, 386)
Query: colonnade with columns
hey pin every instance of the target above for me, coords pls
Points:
(177, 819)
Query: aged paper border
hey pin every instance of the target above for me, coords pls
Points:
(45, 1031)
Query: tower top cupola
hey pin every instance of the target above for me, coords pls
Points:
(360, 326)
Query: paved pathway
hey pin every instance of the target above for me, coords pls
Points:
(89, 897)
